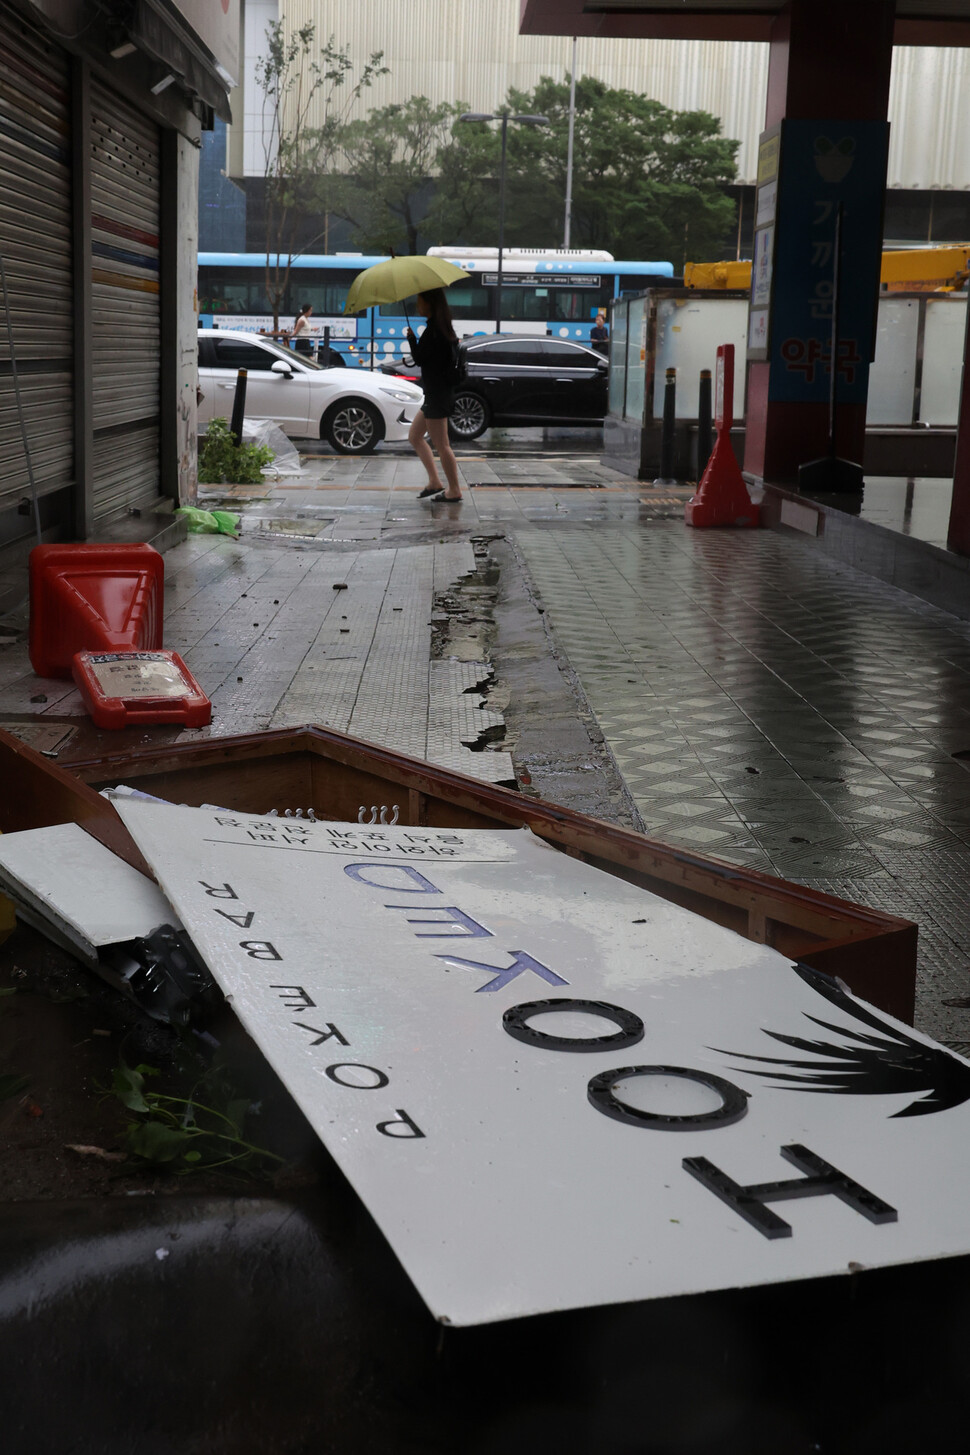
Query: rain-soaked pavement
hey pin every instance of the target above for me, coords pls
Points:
(733, 692)
(737, 693)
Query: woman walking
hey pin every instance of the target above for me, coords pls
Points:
(301, 331)
(434, 352)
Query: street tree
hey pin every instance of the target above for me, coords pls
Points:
(386, 163)
(308, 91)
(647, 181)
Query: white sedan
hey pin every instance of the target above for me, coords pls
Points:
(351, 408)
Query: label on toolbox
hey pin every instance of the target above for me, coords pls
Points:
(136, 674)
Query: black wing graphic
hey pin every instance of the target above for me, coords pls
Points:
(860, 1064)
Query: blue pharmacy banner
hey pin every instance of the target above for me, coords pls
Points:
(825, 164)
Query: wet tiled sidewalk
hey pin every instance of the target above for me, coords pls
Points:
(375, 498)
(776, 710)
(764, 704)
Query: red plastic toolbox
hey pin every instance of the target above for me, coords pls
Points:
(120, 689)
(92, 597)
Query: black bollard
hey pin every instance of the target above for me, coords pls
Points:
(239, 406)
(705, 438)
(666, 476)
(323, 354)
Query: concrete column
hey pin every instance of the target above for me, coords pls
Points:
(828, 59)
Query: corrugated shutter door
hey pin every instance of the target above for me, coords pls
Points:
(36, 240)
(125, 190)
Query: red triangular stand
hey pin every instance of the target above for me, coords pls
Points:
(722, 497)
(92, 598)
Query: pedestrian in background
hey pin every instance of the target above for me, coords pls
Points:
(301, 330)
(435, 353)
(599, 334)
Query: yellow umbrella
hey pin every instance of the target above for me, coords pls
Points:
(398, 278)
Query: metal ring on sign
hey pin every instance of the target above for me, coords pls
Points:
(515, 1021)
(734, 1101)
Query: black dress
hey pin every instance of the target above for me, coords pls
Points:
(432, 352)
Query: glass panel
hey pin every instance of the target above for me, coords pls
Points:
(470, 300)
(892, 376)
(527, 352)
(631, 283)
(618, 324)
(235, 354)
(325, 292)
(689, 332)
(946, 322)
(525, 305)
(550, 303)
(563, 356)
(466, 300)
(232, 290)
(636, 368)
(577, 305)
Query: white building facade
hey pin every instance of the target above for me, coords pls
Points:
(471, 50)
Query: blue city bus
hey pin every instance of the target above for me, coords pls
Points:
(552, 291)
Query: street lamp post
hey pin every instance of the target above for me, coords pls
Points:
(504, 118)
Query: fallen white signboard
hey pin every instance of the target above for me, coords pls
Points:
(716, 1118)
(74, 889)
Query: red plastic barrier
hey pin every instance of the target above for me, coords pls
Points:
(123, 689)
(92, 598)
(722, 497)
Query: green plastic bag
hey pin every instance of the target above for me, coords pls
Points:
(210, 522)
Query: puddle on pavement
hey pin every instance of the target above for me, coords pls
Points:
(307, 527)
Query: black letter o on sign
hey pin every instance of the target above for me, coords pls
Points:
(515, 1021)
(734, 1101)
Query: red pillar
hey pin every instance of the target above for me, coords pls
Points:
(958, 538)
(827, 59)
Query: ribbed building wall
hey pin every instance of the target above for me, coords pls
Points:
(470, 50)
(929, 108)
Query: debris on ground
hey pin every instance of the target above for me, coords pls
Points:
(210, 522)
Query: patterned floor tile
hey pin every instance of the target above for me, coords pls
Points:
(820, 706)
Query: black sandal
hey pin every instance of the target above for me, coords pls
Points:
(430, 491)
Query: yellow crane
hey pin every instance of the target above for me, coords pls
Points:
(904, 270)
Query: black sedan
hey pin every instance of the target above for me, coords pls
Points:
(514, 379)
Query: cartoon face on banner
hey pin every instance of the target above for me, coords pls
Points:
(828, 212)
(553, 1089)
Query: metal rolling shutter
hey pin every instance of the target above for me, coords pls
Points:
(36, 242)
(125, 190)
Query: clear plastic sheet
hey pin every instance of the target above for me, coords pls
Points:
(286, 459)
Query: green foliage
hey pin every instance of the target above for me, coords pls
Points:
(185, 1134)
(386, 162)
(647, 181)
(299, 81)
(222, 461)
